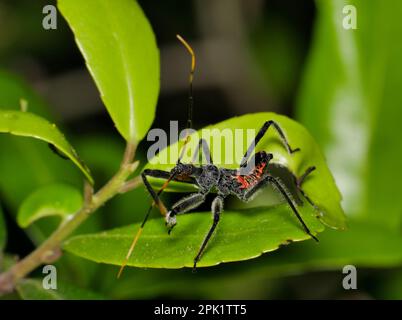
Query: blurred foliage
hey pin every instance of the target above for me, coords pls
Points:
(3, 232)
(349, 100)
(31, 289)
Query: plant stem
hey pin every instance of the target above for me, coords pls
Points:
(49, 250)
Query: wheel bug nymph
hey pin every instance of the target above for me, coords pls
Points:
(244, 182)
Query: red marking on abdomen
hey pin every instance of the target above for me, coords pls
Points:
(251, 179)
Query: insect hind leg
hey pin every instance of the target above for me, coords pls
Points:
(283, 191)
(299, 181)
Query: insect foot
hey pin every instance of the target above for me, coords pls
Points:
(294, 150)
(170, 221)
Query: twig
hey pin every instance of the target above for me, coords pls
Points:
(50, 250)
(130, 184)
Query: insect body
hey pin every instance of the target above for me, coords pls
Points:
(251, 176)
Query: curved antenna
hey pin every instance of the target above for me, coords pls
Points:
(191, 77)
(187, 139)
(190, 94)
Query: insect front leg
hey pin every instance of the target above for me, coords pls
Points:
(155, 195)
(217, 208)
(261, 134)
(184, 205)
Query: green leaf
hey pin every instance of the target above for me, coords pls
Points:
(378, 248)
(241, 235)
(3, 231)
(40, 166)
(53, 200)
(32, 289)
(350, 100)
(320, 186)
(30, 125)
(120, 50)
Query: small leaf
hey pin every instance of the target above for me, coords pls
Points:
(32, 289)
(3, 231)
(53, 200)
(320, 186)
(40, 166)
(30, 125)
(241, 235)
(120, 50)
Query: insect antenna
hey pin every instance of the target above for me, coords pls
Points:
(139, 232)
(190, 95)
(187, 139)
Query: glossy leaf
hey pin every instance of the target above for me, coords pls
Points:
(320, 186)
(30, 125)
(120, 51)
(350, 101)
(32, 289)
(53, 200)
(241, 235)
(40, 165)
(3, 231)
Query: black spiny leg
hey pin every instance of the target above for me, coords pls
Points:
(270, 179)
(217, 207)
(259, 136)
(205, 150)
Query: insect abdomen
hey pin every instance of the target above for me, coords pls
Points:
(247, 181)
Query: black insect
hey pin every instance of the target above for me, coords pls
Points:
(251, 176)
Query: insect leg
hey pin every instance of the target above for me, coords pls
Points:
(186, 204)
(303, 177)
(153, 193)
(299, 181)
(282, 190)
(217, 207)
(259, 136)
(284, 193)
(205, 149)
